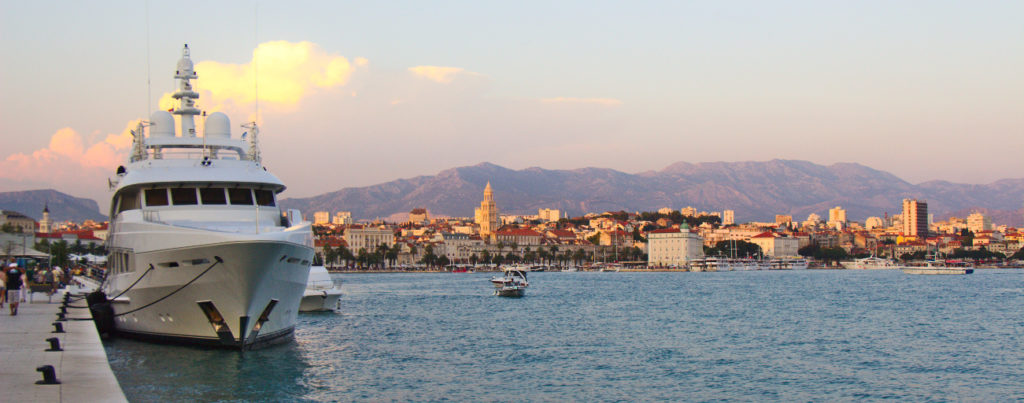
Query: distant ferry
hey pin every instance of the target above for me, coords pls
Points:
(940, 267)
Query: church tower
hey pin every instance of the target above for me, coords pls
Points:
(487, 214)
(45, 223)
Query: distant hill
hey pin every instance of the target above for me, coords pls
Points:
(63, 207)
(755, 190)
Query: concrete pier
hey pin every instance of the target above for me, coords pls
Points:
(81, 368)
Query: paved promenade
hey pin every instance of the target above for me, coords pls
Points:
(82, 367)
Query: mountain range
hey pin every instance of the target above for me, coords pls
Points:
(755, 190)
(62, 207)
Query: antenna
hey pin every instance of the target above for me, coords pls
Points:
(149, 72)
(255, 60)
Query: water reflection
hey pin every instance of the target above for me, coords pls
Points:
(151, 372)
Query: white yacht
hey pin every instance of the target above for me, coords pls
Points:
(200, 252)
(322, 294)
(869, 263)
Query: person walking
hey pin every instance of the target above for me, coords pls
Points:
(14, 284)
(3, 288)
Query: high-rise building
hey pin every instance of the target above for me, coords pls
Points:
(321, 217)
(915, 217)
(547, 214)
(979, 222)
(728, 217)
(837, 218)
(487, 213)
(781, 219)
(342, 218)
(689, 211)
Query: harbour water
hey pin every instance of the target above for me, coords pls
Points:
(787, 335)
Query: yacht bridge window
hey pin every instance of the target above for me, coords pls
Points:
(184, 196)
(128, 200)
(156, 197)
(212, 196)
(264, 197)
(240, 196)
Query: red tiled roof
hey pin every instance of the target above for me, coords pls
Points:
(518, 232)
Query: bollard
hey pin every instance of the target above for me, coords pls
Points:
(64, 310)
(60, 317)
(49, 376)
(58, 327)
(54, 344)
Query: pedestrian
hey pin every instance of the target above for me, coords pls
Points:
(14, 285)
(3, 288)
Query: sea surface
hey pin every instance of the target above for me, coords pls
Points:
(816, 335)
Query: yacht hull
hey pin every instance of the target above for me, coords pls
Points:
(320, 301)
(237, 294)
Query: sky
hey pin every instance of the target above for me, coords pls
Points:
(355, 93)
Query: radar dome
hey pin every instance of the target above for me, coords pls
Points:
(217, 126)
(163, 124)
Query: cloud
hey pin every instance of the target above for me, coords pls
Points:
(443, 75)
(67, 149)
(595, 101)
(288, 72)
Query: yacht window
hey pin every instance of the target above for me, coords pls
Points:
(240, 196)
(129, 201)
(184, 196)
(264, 198)
(213, 196)
(156, 197)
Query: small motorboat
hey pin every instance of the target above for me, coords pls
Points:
(512, 284)
(321, 292)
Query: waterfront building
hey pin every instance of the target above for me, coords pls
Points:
(20, 222)
(915, 218)
(487, 214)
(359, 237)
(321, 218)
(775, 245)
(673, 246)
(728, 217)
(546, 214)
(519, 236)
(976, 222)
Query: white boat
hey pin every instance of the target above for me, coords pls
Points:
(200, 252)
(787, 264)
(939, 267)
(512, 284)
(869, 263)
(322, 294)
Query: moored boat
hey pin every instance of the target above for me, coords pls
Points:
(869, 263)
(322, 293)
(200, 251)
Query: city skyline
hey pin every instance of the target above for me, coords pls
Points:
(359, 94)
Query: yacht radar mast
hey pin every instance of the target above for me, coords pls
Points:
(186, 108)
